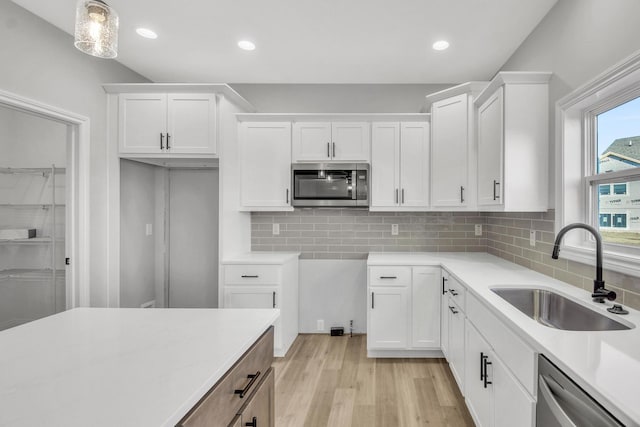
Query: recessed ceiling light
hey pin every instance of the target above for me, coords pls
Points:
(441, 45)
(146, 33)
(246, 45)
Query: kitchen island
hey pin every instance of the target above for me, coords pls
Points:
(120, 367)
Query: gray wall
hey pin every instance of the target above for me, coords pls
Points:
(137, 250)
(577, 40)
(337, 98)
(30, 141)
(40, 62)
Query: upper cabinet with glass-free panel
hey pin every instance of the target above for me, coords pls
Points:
(331, 141)
(160, 123)
(513, 142)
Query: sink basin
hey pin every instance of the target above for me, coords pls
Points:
(556, 311)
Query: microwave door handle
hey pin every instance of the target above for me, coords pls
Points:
(354, 185)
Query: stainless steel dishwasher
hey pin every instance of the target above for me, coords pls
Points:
(562, 403)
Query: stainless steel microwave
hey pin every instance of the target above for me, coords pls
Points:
(330, 184)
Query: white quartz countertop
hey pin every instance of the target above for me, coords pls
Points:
(261, 258)
(606, 364)
(120, 367)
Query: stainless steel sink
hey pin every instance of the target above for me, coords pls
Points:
(556, 311)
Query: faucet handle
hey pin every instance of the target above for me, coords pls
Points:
(601, 293)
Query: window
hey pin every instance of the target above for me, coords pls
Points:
(619, 188)
(617, 158)
(598, 142)
(620, 220)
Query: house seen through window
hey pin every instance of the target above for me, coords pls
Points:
(618, 155)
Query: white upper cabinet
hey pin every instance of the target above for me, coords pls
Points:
(400, 166)
(453, 149)
(326, 141)
(160, 123)
(450, 152)
(513, 142)
(265, 166)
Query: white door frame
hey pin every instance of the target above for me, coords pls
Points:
(77, 228)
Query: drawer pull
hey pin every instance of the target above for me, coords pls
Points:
(249, 276)
(388, 277)
(253, 423)
(453, 310)
(444, 291)
(454, 293)
(252, 379)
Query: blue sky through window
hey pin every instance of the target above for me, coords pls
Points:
(620, 122)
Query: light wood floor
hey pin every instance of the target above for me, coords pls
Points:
(329, 381)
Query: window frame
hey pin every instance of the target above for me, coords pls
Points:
(577, 184)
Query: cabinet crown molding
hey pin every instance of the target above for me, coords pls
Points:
(472, 88)
(219, 88)
(512, 77)
(333, 117)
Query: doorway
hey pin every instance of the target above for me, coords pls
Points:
(42, 218)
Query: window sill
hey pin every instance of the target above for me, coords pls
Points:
(620, 263)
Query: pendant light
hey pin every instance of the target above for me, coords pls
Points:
(96, 29)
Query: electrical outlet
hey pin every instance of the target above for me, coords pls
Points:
(148, 229)
(478, 229)
(276, 229)
(532, 237)
(394, 229)
(320, 325)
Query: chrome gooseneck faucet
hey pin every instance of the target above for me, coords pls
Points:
(599, 291)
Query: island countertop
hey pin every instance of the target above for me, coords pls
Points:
(120, 367)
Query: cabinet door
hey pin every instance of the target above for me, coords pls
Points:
(425, 307)
(513, 406)
(142, 122)
(256, 297)
(449, 156)
(191, 127)
(456, 343)
(350, 141)
(311, 142)
(490, 146)
(478, 391)
(265, 165)
(388, 318)
(260, 411)
(385, 164)
(444, 314)
(414, 165)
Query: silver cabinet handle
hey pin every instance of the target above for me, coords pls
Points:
(274, 299)
(249, 276)
(495, 192)
(329, 149)
(396, 195)
(372, 300)
(403, 196)
(388, 277)
(287, 196)
(461, 194)
(168, 137)
(334, 149)
(162, 141)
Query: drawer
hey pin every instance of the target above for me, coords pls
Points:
(515, 353)
(252, 274)
(221, 404)
(456, 291)
(389, 276)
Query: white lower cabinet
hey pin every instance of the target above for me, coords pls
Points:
(403, 309)
(263, 280)
(388, 320)
(455, 355)
(494, 397)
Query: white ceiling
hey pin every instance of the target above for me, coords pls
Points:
(320, 41)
